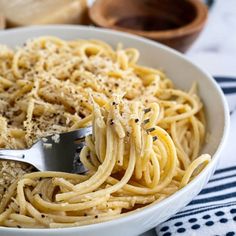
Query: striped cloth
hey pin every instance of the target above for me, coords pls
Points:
(213, 211)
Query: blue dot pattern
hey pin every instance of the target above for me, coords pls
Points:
(167, 234)
(230, 233)
(233, 211)
(209, 223)
(192, 220)
(178, 223)
(208, 217)
(196, 226)
(181, 230)
(165, 228)
(223, 220)
(219, 213)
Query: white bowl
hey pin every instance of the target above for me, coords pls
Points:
(183, 73)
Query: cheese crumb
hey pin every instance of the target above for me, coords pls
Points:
(56, 138)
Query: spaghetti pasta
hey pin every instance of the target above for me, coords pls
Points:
(147, 135)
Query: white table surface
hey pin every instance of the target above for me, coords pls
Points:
(215, 49)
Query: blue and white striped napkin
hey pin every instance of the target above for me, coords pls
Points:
(213, 211)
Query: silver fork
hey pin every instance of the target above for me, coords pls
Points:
(57, 152)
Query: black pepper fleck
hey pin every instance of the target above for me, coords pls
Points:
(111, 122)
(147, 110)
(154, 138)
(150, 130)
(146, 121)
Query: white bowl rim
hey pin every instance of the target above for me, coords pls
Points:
(151, 208)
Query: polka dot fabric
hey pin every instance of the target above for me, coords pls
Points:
(213, 211)
(211, 222)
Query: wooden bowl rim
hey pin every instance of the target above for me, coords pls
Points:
(190, 28)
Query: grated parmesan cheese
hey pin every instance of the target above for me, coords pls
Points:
(47, 92)
(56, 138)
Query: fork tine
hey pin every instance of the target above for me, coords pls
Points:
(75, 134)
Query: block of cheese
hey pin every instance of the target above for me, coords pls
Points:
(31, 12)
(2, 22)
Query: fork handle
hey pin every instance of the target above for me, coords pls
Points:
(15, 155)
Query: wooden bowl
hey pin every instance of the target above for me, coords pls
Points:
(174, 23)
